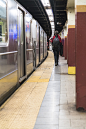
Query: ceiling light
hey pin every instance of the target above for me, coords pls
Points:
(52, 23)
(49, 12)
(51, 18)
(52, 27)
(2, 4)
(58, 23)
(46, 2)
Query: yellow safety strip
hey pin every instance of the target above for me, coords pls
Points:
(71, 70)
(37, 79)
(71, 26)
(81, 8)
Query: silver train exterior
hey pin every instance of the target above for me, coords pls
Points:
(23, 46)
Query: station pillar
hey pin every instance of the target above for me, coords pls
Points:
(71, 41)
(80, 24)
(62, 38)
(65, 41)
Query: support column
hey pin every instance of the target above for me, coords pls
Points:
(81, 54)
(67, 47)
(71, 40)
(65, 41)
(62, 38)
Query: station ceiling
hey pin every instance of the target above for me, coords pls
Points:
(38, 12)
(60, 14)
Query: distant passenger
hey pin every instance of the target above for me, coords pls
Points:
(56, 41)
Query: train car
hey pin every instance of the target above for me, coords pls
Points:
(29, 46)
(22, 46)
(37, 43)
(41, 44)
(45, 44)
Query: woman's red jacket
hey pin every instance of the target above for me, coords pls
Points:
(58, 37)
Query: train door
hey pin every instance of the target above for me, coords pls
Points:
(0, 31)
(34, 53)
(43, 44)
(39, 44)
(21, 46)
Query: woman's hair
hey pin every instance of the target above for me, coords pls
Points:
(56, 32)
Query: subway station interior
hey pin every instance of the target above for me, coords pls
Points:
(35, 91)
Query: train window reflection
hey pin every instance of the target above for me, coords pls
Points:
(28, 31)
(3, 22)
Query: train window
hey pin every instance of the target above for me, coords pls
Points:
(3, 22)
(28, 31)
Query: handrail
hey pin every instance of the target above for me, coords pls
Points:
(6, 53)
(29, 50)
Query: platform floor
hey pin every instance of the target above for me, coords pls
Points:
(45, 101)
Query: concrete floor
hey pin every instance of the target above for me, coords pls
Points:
(45, 101)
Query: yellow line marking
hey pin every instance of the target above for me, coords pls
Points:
(71, 26)
(71, 70)
(34, 79)
(81, 8)
(37, 79)
(43, 80)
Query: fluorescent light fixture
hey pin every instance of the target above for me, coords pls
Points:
(51, 18)
(49, 11)
(58, 23)
(46, 2)
(52, 27)
(53, 30)
(52, 23)
(2, 3)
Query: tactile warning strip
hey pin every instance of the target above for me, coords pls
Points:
(21, 109)
(48, 116)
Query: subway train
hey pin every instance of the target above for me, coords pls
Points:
(23, 46)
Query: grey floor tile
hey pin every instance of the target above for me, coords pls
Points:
(58, 81)
(54, 79)
(54, 89)
(56, 75)
(56, 72)
(54, 82)
(50, 104)
(48, 114)
(47, 121)
(49, 109)
(54, 86)
(51, 99)
(46, 127)
(53, 94)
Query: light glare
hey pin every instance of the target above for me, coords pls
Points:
(2, 4)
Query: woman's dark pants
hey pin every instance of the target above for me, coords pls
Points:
(56, 56)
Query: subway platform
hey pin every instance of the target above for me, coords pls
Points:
(45, 101)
